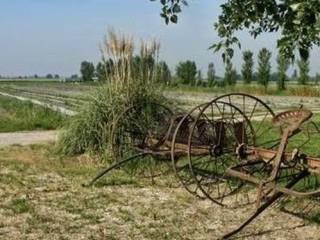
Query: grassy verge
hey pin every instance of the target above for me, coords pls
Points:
(25, 116)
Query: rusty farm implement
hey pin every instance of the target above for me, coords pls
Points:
(233, 150)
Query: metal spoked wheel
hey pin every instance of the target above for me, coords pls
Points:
(218, 131)
(179, 156)
(259, 114)
(140, 129)
(230, 124)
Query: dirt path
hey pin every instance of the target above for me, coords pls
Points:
(27, 138)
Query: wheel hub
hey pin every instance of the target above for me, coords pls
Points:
(216, 151)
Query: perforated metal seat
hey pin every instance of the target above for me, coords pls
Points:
(292, 120)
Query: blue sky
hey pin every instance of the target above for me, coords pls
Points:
(54, 36)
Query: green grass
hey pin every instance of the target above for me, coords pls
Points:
(16, 115)
(255, 89)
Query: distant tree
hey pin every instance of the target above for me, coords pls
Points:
(199, 78)
(264, 67)
(247, 67)
(186, 72)
(211, 75)
(56, 76)
(163, 73)
(101, 72)
(36, 76)
(142, 67)
(230, 75)
(49, 76)
(87, 71)
(74, 76)
(294, 75)
(304, 69)
(283, 65)
(317, 79)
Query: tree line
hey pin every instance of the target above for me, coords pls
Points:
(187, 73)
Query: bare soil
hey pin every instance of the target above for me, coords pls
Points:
(27, 138)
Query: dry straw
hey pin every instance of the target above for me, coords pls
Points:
(129, 71)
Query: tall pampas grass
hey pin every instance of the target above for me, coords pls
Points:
(130, 82)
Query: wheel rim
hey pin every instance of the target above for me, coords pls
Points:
(179, 154)
(217, 128)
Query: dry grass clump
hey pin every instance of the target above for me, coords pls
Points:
(130, 82)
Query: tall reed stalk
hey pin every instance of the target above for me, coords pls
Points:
(130, 82)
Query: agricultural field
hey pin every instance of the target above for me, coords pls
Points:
(147, 131)
(73, 95)
(17, 116)
(44, 196)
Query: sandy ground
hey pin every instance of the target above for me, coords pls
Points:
(27, 138)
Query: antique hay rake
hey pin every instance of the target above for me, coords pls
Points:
(233, 150)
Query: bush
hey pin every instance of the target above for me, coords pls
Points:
(127, 85)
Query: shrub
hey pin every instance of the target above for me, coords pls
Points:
(130, 83)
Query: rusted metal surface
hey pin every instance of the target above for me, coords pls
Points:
(223, 150)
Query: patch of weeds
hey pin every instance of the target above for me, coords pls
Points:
(11, 179)
(156, 230)
(125, 215)
(43, 222)
(25, 116)
(18, 166)
(93, 218)
(118, 178)
(19, 206)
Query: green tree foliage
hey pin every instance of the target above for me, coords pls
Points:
(304, 69)
(163, 73)
(264, 67)
(199, 78)
(87, 71)
(230, 75)
(317, 79)
(298, 21)
(211, 75)
(186, 72)
(49, 76)
(283, 65)
(247, 67)
(101, 72)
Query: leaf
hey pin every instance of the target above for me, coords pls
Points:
(174, 18)
(176, 8)
(167, 20)
(163, 2)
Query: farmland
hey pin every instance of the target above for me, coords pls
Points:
(23, 116)
(44, 198)
(73, 95)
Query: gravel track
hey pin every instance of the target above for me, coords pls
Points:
(27, 138)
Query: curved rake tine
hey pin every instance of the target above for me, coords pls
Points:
(114, 166)
(264, 206)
